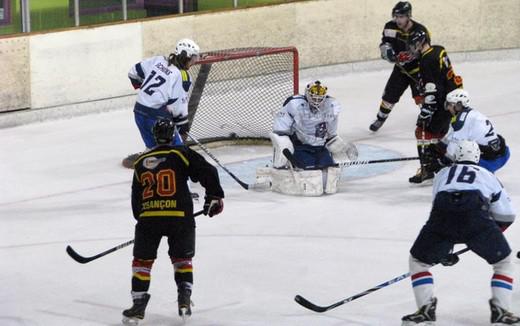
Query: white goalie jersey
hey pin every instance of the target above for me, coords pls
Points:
(312, 127)
(162, 87)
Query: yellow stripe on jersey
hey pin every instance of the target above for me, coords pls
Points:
(185, 75)
(184, 159)
(162, 213)
(440, 58)
(184, 270)
(453, 119)
(427, 51)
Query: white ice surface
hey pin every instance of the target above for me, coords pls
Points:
(61, 183)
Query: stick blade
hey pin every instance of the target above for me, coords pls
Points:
(309, 305)
(77, 257)
(260, 186)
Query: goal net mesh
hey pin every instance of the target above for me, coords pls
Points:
(236, 92)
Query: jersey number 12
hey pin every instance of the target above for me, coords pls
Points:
(150, 89)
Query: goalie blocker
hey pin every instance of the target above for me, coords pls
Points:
(286, 178)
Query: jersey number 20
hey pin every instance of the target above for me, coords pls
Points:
(165, 181)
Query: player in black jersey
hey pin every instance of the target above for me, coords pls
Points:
(162, 206)
(394, 49)
(437, 79)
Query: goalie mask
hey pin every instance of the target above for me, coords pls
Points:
(315, 93)
(163, 131)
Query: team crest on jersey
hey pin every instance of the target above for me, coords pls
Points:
(152, 162)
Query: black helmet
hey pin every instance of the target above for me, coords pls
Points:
(417, 38)
(402, 8)
(163, 130)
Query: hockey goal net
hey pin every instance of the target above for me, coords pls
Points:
(237, 91)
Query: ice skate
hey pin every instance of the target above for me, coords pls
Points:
(501, 316)
(421, 176)
(184, 301)
(136, 312)
(424, 316)
(378, 123)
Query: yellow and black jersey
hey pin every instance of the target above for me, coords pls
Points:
(160, 188)
(435, 67)
(398, 39)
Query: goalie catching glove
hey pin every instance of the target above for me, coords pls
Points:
(213, 206)
(341, 151)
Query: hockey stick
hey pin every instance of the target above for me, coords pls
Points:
(83, 260)
(407, 74)
(311, 306)
(387, 160)
(247, 186)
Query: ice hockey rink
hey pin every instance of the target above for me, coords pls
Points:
(62, 184)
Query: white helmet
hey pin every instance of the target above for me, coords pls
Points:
(463, 151)
(188, 46)
(315, 93)
(458, 96)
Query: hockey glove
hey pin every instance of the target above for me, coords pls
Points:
(387, 53)
(213, 206)
(426, 115)
(404, 57)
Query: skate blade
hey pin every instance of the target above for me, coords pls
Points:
(424, 323)
(130, 321)
(184, 315)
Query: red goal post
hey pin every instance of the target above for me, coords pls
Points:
(236, 92)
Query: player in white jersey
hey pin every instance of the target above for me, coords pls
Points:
(468, 123)
(469, 206)
(309, 122)
(164, 85)
(305, 132)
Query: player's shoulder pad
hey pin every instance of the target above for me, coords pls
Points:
(458, 121)
(294, 98)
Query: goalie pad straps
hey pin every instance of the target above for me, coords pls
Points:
(279, 144)
(332, 175)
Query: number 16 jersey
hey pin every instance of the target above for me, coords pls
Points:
(464, 177)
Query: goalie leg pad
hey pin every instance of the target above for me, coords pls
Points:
(333, 175)
(263, 175)
(300, 183)
(279, 144)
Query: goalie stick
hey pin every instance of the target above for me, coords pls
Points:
(83, 260)
(290, 157)
(247, 186)
(387, 160)
(314, 307)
